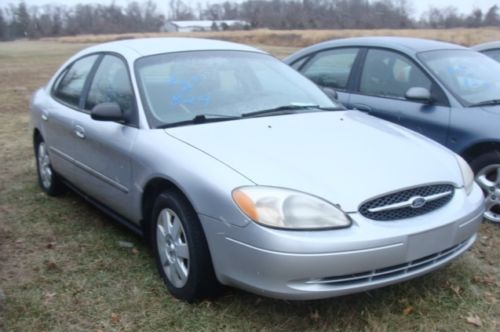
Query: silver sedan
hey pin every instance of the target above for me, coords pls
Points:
(239, 171)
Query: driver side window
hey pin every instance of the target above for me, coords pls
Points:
(389, 74)
(111, 83)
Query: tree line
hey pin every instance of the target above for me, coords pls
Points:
(20, 20)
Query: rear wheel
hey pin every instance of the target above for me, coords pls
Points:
(47, 178)
(487, 170)
(180, 249)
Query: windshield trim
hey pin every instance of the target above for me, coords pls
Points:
(464, 103)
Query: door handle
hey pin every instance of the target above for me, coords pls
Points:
(45, 117)
(362, 108)
(79, 131)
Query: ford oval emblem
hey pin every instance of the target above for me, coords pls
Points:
(417, 202)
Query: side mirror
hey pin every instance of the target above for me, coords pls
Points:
(331, 93)
(107, 112)
(419, 94)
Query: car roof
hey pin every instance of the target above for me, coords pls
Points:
(135, 48)
(487, 46)
(406, 45)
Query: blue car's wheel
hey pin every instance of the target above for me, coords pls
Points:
(487, 170)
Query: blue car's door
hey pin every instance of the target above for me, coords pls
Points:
(382, 83)
(333, 69)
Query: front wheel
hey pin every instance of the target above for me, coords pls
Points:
(47, 179)
(487, 170)
(180, 248)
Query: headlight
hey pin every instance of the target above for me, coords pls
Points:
(467, 174)
(284, 208)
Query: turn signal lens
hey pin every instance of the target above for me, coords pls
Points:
(245, 204)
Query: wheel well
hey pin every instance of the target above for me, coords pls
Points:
(478, 149)
(152, 189)
(36, 136)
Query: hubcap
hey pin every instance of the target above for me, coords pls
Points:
(44, 166)
(489, 180)
(172, 246)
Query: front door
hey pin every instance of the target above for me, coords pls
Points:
(104, 147)
(385, 78)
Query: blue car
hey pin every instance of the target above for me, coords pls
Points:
(446, 92)
(491, 49)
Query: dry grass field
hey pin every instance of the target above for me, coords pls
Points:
(62, 267)
(301, 38)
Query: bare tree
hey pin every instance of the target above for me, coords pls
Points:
(180, 11)
(491, 18)
(21, 23)
(3, 27)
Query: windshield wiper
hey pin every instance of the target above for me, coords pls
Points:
(200, 118)
(487, 103)
(287, 109)
(280, 110)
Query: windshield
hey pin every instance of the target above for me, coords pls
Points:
(471, 76)
(177, 87)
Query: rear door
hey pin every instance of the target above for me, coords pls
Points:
(332, 69)
(60, 112)
(384, 79)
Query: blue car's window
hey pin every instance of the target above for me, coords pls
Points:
(297, 64)
(70, 86)
(111, 83)
(176, 87)
(471, 76)
(390, 74)
(331, 68)
(494, 54)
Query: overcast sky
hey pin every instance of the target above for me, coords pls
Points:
(419, 6)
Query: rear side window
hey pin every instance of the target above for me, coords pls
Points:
(111, 83)
(331, 68)
(494, 54)
(69, 88)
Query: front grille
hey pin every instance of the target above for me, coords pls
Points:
(391, 271)
(404, 196)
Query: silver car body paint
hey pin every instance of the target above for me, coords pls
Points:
(344, 157)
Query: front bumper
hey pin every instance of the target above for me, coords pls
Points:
(305, 265)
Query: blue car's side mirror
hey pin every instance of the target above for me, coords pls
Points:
(419, 94)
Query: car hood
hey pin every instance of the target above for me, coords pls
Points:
(345, 157)
(495, 109)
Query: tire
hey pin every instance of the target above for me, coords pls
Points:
(47, 178)
(486, 168)
(180, 249)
